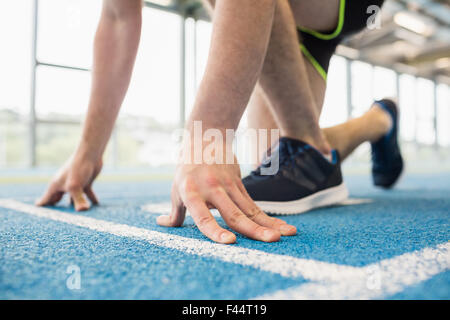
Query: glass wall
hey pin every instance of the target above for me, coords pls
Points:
(151, 110)
(408, 105)
(443, 115)
(66, 29)
(15, 72)
(362, 87)
(158, 92)
(335, 108)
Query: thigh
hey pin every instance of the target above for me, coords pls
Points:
(319, 15)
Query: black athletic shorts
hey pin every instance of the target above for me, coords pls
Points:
(319, 47)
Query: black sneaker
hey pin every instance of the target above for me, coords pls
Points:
(305, 180)
(387, 161)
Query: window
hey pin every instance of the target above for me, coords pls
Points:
(66, 31)
(425, 111)
(407, 101)
(151, 109)
(384, 83)
(15, 57)
(443, 114)
(154, 91)
(196, 57)
(15, 71)
(362, 87)
(61, 94)
(190, 64)
(204, 31)
(335, 105)
(13, 144)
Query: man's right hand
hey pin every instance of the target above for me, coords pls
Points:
(200, 187)
(75, 178)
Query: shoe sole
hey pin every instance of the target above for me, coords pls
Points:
(400, 177)
(319, 199)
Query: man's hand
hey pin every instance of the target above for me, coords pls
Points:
(202, 187)
(76, 178)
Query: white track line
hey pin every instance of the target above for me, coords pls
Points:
(353, 202)
(378, 280)
(284, 265)
(165, 207)
(330, 281)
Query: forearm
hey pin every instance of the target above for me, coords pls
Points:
(115, 47)
(241, 31)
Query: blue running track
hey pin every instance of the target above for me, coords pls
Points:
(36, 252)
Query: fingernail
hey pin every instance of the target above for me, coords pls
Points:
(288, 230)
(227, 237)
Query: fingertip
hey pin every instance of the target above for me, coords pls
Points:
(163, 221)
(82, 207)
(227, 238)
(288, 230)
(270, 235)
(92, 197)
(42, 201)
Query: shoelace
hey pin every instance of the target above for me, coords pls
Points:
(286, 154)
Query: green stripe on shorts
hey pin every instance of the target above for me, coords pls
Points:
(314, 62)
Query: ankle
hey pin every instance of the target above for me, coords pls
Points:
(379, 121)
(318, 142)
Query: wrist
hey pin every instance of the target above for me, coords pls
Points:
(87, 153)
(207, 145)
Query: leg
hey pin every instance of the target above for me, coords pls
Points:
(240, 36)
(286, 84)
(285, 81)
(289, 81)
(322, 15)
(260, 113)
(305, 178)
(371, 126)
(260, 116)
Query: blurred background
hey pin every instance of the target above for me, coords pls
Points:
(46, 54)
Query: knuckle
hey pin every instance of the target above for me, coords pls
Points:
(234, 217)
(254, 212)
(190, 198)
(238, 182)
(204, 221)
(211, 181)
(257, 229)
(216, 192)
(228, 183)
(189, 185)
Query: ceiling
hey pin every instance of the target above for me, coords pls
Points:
(413, 36)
